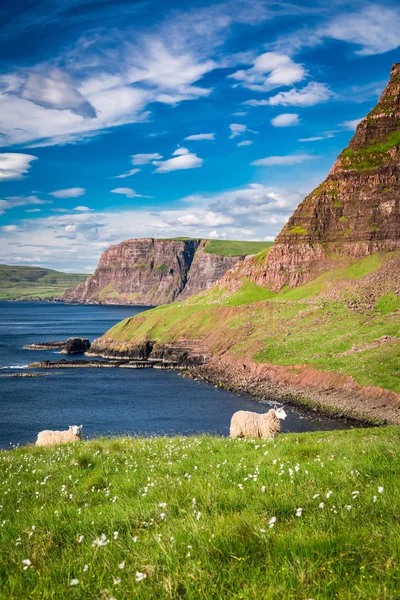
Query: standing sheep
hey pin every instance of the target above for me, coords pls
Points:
(250, 424)
(51, 438)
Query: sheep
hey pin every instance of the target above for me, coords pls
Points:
(250, 424)
(51, 438)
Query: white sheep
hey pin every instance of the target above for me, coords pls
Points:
(51, 438)
(250, 424)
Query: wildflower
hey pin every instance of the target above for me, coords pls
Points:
(298, 512)
(263, 488)
(140, 576)
(240, 486)
(117, 580)
(315, 496)
(162, 504)
(134, 539)
(348, 506)
(101, 541)
(380, 489)
(162, 516)
(74, 582)
(121, 565)
(80, 539)
(85, 568)
(374, 499)
(329, 494)
(115, 535)
(272, 522)
(27, 563)
(321, 505)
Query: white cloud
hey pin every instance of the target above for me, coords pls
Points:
(14, 165)
(128, 174)
(256, 102)
(144, 159)
(375, 28)
(285, 120)
(313, 93)
(290, 159)
(186, 160)
(245, 143)
(237, 129)
(351, 125)
(9, 228)
(180, 152)
(200, 136)
(270, 70)
(69, 193)
(128, 192)
(15, 201)
(82, 208)
(312, 139)
(56, 90)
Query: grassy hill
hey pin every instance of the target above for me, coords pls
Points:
(18, 283)
(231, 247)
(346, 320)
(306, 516)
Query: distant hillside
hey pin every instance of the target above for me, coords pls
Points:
(19, 283)
(152, 271)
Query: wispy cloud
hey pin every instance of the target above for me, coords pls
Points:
(352, 124)
(14, 165)
(200, 136)
(127, 174)
(289, 159)
(16, 201)
(313, 93)
(245, 143)
(128, 192)
(144, 159)
(285, 120)
(182, 159)
(75, 192)
(237, 129)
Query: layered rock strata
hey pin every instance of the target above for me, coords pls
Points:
(151, 272)
(353, 213)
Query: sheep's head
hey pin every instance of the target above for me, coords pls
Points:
(76, 430)
(280, 413)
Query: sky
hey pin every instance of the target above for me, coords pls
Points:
(122, 119)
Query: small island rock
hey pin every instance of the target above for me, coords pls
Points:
(76, 346)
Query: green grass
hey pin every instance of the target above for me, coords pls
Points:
(305, 325)
(372, 156)
(229, 247)
(235, 247)
(18, 283)
(194, 515)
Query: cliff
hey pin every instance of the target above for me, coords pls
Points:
(151, 272)
(353, 213)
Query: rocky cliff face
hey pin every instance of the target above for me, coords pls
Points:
(151, 272)
(353, 213)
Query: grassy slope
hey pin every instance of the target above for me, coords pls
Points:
(312, 324)
(219, 545)
(34, 282)
(231, 247)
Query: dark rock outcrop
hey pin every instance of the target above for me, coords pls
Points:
(151, 272)
(76, 346)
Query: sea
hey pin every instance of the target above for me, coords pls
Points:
(110, 401)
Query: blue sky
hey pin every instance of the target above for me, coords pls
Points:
(135, 119)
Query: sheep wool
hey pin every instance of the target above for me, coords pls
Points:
(250, 424)
(52, 438)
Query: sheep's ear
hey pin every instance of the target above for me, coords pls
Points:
(80, 426)
(70, 427)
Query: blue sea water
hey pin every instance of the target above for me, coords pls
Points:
(106, 401)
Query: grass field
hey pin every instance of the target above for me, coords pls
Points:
(231, 247)
(307, 516)
(18, 283)
(346, 320)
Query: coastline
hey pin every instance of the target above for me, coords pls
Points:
(331, 394)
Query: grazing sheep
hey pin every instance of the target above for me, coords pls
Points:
(51, 438)
(250, 424)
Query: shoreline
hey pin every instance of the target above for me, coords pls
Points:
(262, 381)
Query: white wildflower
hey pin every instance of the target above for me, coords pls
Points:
(263, 488)
(140, 576)
(374, 499)
(85, 568)
(121, 565)
(380, 489)
(80, 539)
(321, 505)
(299, 512)
(162, 504)
(115, 536)
(329, 493)
(272, 522)
(348, 506)
(117, 580)
(74, 582)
